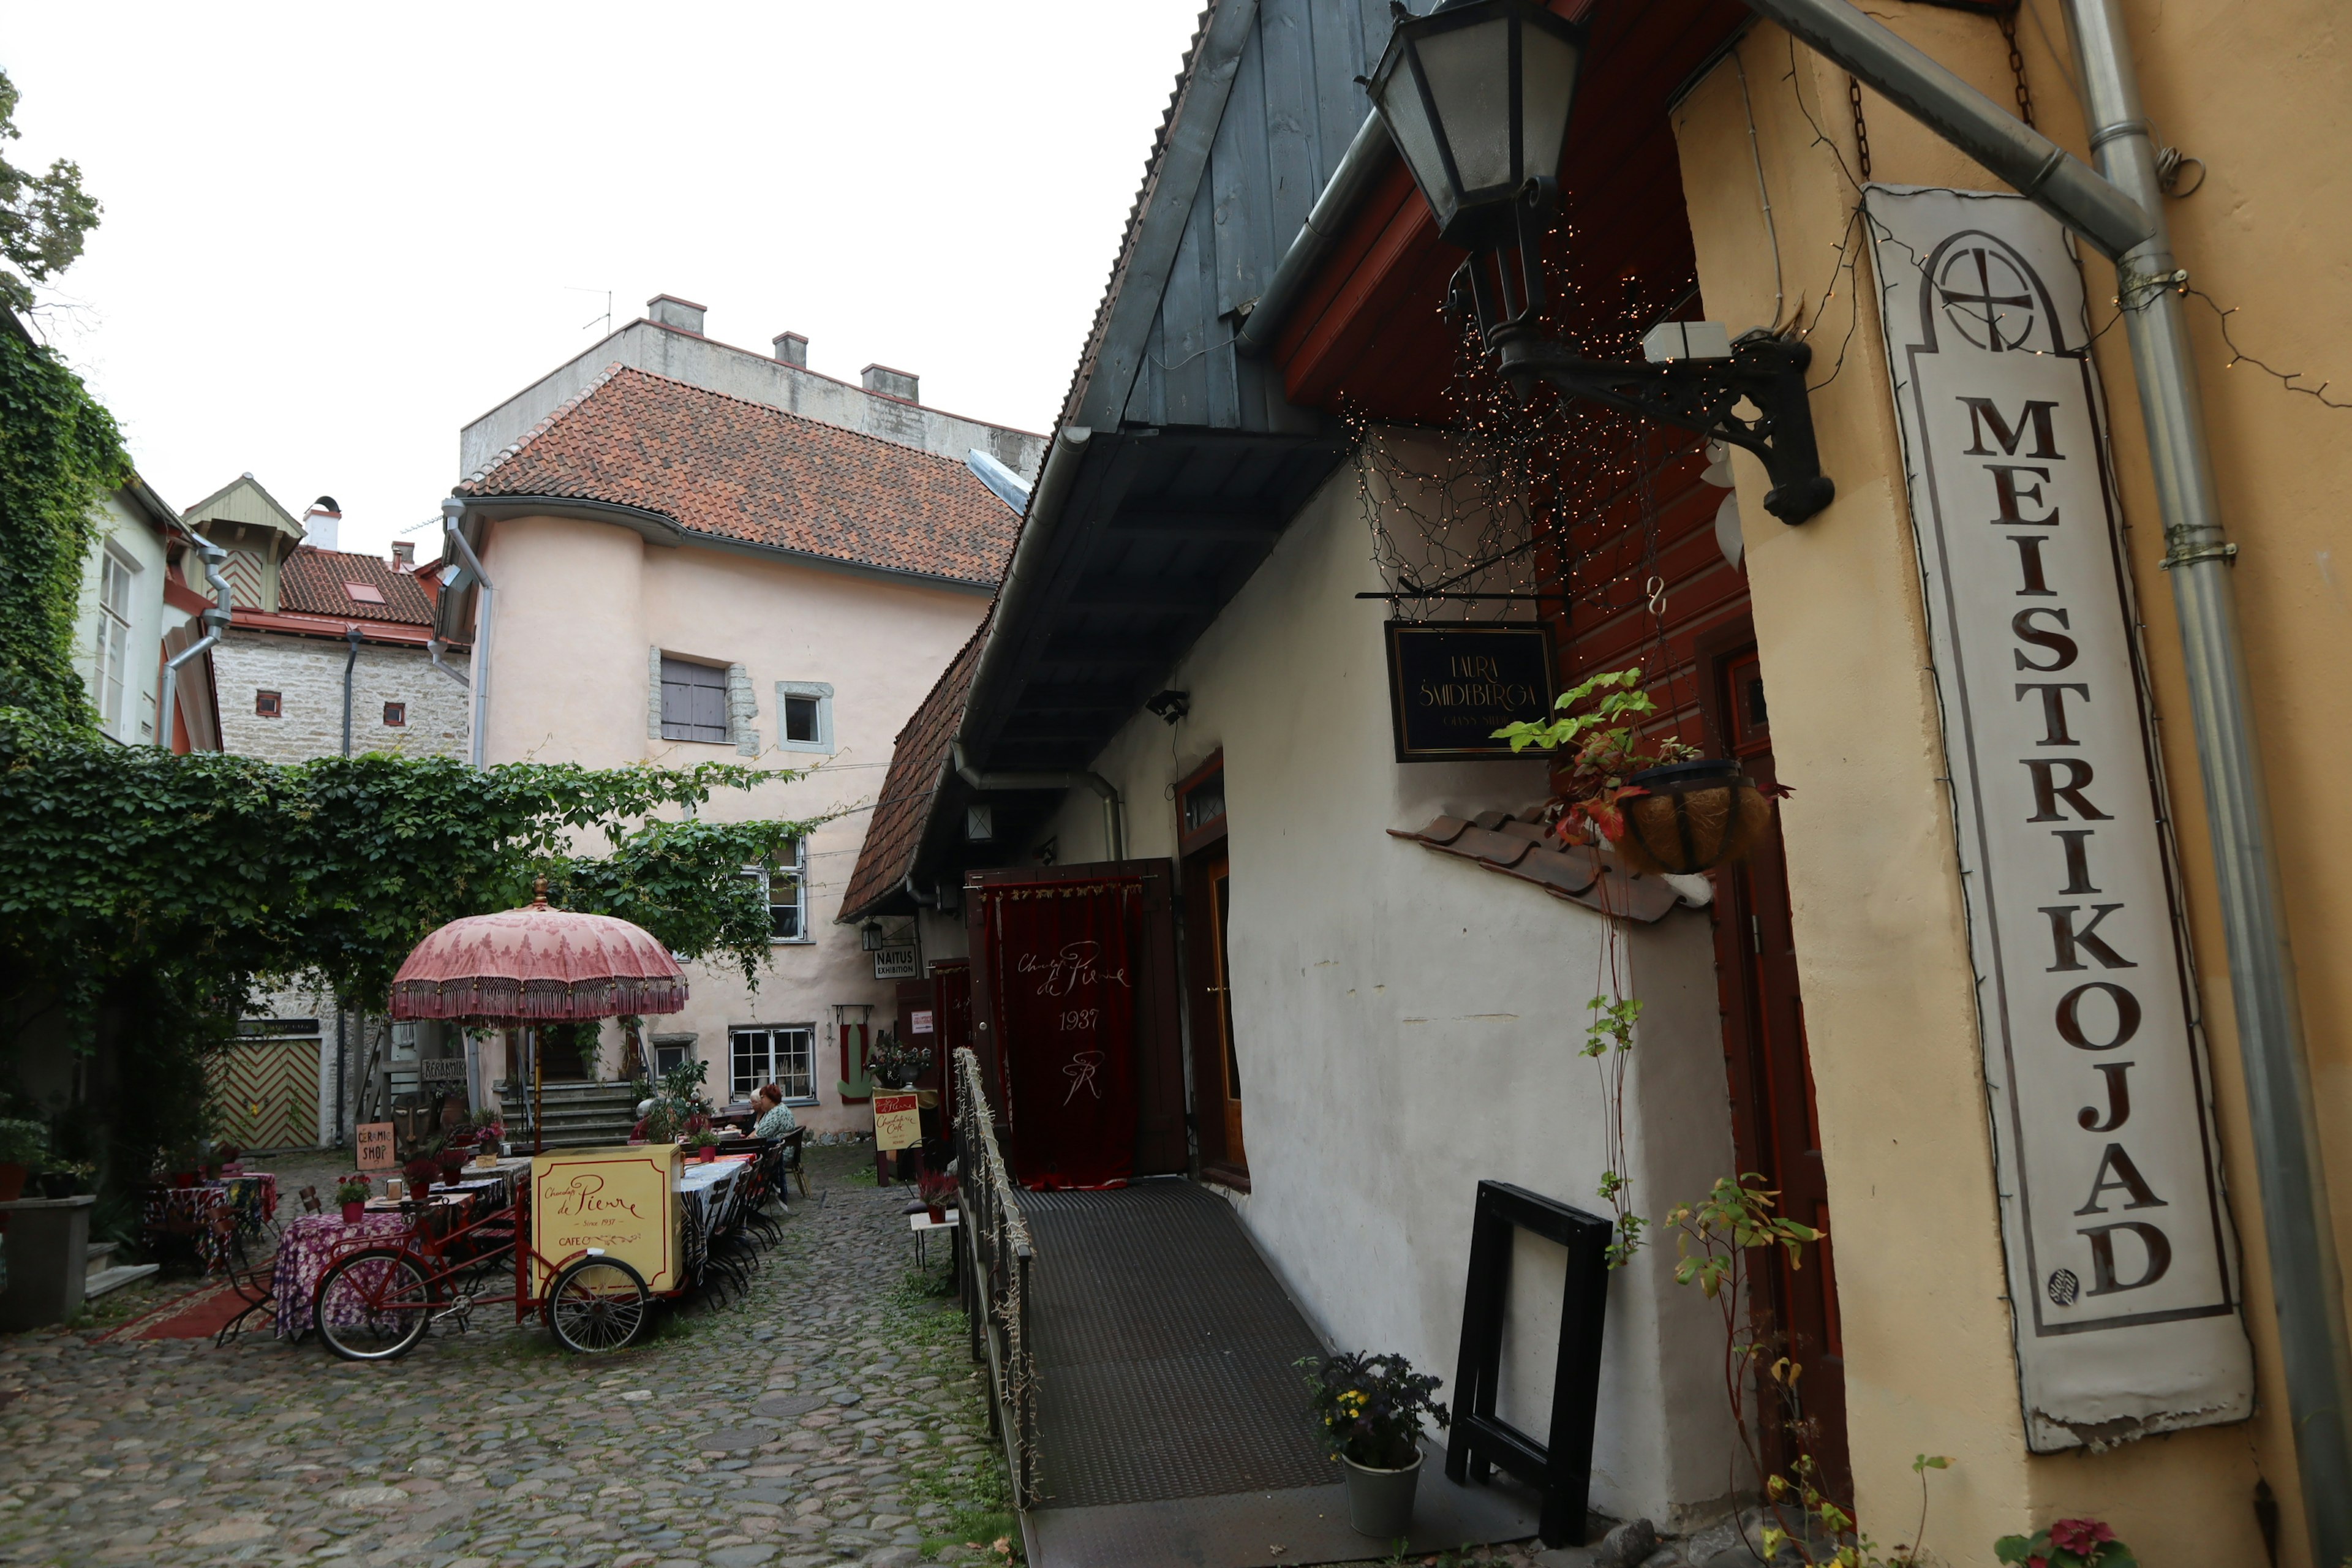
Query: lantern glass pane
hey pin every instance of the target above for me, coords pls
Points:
(1547, 65)
(1397, 95)
(1468, 71)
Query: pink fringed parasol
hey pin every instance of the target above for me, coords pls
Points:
(537, 965)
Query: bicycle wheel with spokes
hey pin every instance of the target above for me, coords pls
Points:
(598, 1305)
(372, 1305)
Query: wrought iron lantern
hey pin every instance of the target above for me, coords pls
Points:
(1476, 96)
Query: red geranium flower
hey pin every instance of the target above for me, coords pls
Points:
(2083, 1537)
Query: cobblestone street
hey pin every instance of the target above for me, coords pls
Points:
(830, 1416)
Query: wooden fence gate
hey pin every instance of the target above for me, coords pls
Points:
(265, 1093)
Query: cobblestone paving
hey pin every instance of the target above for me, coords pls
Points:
(830, 1417)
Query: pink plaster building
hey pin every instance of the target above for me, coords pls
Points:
(658, 571)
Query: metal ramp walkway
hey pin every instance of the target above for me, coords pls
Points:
(1171, 1416)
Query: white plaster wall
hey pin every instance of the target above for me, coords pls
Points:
(756, 378)
(308, 675)
(1408, 1024)
(138, 543)
(579, 607)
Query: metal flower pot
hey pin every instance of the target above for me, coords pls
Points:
(1695, 817)
(1379, 1502)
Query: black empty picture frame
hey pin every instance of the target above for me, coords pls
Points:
(1559, 1468)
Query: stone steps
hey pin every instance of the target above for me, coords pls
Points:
(100, 1273)
(578, 1114)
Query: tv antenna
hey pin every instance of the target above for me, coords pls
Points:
(606, 318)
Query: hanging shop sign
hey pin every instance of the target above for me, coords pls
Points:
(2122, 1276)
(1451, 685)
(895, 963)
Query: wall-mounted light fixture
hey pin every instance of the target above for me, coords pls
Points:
(1476, 96)
(1170, 704)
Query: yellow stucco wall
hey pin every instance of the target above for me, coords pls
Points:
(1889, 1012)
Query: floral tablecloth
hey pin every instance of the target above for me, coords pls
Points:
(188, 1212)
(307, 1246)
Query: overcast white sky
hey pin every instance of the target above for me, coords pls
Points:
(334, 233)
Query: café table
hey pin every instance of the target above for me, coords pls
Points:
(707, 1194)
(310, 1243)
(187, 1212)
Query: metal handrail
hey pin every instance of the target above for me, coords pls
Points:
(998, 1253)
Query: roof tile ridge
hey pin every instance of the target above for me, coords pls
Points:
(770, 408)
(559, 412)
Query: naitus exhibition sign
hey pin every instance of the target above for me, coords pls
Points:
(2121, 1271)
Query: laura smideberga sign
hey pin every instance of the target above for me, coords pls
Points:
(2122, 1276)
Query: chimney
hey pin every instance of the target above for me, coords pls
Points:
(403, 555)
(891, 382)
(792, 349)
(669, 311)
(322, 524)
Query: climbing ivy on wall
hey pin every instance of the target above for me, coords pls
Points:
(145, 895)
(59, 455)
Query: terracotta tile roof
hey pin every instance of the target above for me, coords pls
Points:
(917, 758)
(1517, 846)
(729, 468)
(319, 583)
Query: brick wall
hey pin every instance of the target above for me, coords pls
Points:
(308, 675)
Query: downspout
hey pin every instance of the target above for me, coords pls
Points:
(350, 663)
(1113, 829)
(2306, 1279)
(215, 620)
(1361, 167)
(2307, 1282)
(452, 512)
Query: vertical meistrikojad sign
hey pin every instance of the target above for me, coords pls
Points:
(2122, 1267)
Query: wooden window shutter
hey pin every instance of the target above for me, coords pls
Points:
(694, 702)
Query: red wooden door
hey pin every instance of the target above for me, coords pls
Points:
(1776, 1125)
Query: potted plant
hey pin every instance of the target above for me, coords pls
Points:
(2068, 1544)
(1371, 1409)
(489, 1135)
(938, 1189)
(22, 1146)
(353, 1192)
(700, 1138)
(419, 1173)
(897, 1065)
(1665, 808)
(451, 1159)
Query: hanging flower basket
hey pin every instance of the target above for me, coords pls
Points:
(1693, 817)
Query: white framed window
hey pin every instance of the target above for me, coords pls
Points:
(114, 576)
(785, 884)
(804, 716)
(780, 1053)
(693, 701)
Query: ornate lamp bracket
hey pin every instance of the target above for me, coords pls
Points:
(1764, 373)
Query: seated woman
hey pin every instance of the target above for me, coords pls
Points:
(773, 1117)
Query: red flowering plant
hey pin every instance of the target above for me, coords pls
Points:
(2068, 1544)
(1598, 742)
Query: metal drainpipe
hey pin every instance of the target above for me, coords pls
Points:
(216, 620)
(350, 663)
(452, 513)
(2308, 1283)
(1113, 829)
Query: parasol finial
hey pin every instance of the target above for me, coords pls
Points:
(539, 893)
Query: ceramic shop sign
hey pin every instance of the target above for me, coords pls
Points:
(897, 1121)
(375, 1140)
(1451, 685)
(2122, 1276)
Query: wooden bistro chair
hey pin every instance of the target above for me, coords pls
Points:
(249, 1268)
